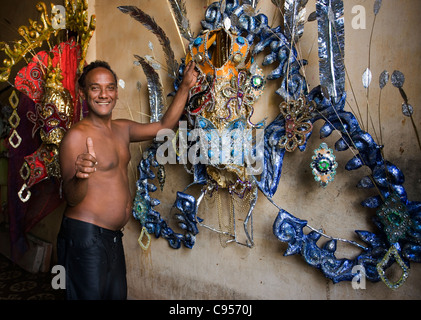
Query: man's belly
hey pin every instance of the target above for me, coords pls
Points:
(106, 209)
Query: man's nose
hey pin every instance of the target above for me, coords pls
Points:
(103, 94)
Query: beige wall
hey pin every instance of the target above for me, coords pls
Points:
(235, 272)
(211, 271)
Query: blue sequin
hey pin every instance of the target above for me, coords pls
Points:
(241, 41)
(198, 41)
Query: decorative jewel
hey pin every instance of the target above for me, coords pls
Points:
(236, 58)
(198, 58)
(12, 137)
(144, 234)
(14, 119)
(324, 165)
(37, 163)
(257, 82)
(395, 218)
(23, 189)
(393, 253)
(13, 99)
(239, 187)
(297, 124)
(52, 123)
(24, 171)
(198, 41)
(240, 40)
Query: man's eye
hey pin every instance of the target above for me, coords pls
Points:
(94, 88)
(111, 88)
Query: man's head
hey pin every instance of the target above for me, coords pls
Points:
(93, 65)
(98, 86)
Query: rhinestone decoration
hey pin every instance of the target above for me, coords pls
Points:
(324, 165)
(297, 124)
(395, 218)
(392, 253)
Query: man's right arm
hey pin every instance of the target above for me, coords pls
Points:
(77, 164)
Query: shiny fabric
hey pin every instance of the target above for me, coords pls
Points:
(93, 259)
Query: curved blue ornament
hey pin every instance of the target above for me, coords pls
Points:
(385, 177)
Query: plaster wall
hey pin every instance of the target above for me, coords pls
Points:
(213, 270)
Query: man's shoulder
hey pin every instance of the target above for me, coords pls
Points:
(123, 124)
(77, 130)
(122, 121)
(78, 127)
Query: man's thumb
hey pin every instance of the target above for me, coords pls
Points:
(90, 146)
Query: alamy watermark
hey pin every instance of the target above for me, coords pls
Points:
(59, 280)
(359, 19)
(358, 282)
(234, 146)
(58, 20)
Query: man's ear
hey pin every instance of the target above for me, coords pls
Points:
(82, 94)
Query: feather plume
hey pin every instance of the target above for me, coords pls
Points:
(294, 19)
(151, 25)
(180, 14)
(252, 3)
(331, 46)
(156, 98)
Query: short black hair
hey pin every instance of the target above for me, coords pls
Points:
(93, 65)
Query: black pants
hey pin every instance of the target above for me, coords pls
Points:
(93, 258)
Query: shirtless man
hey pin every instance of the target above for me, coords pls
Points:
(94, 155)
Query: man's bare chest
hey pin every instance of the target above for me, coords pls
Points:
(111, 153)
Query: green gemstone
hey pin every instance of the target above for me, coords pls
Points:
(323, 165)
(395, 218)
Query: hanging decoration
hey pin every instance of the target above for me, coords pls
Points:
(14, 120)
(49, 79)
(222, 101)
(47, 106)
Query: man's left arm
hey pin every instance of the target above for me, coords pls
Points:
(140, 132)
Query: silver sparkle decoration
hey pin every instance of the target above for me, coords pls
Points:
(367, 76)
(331, 38)
(377, 6)
(383, 79)
(407, 109)
(398, 79)
(156, 98)
(294, 19)
(252, 3)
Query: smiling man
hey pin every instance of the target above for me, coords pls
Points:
(94, 155)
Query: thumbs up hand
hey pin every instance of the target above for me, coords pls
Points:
(86, 162)
(90, 146)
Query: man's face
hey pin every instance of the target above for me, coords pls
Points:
(100, 92)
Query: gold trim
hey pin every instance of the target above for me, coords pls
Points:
(37, 32)
(77, 21)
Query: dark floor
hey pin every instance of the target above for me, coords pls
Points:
(18, 284)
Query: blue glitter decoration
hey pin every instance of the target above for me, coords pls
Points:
(385, 177)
